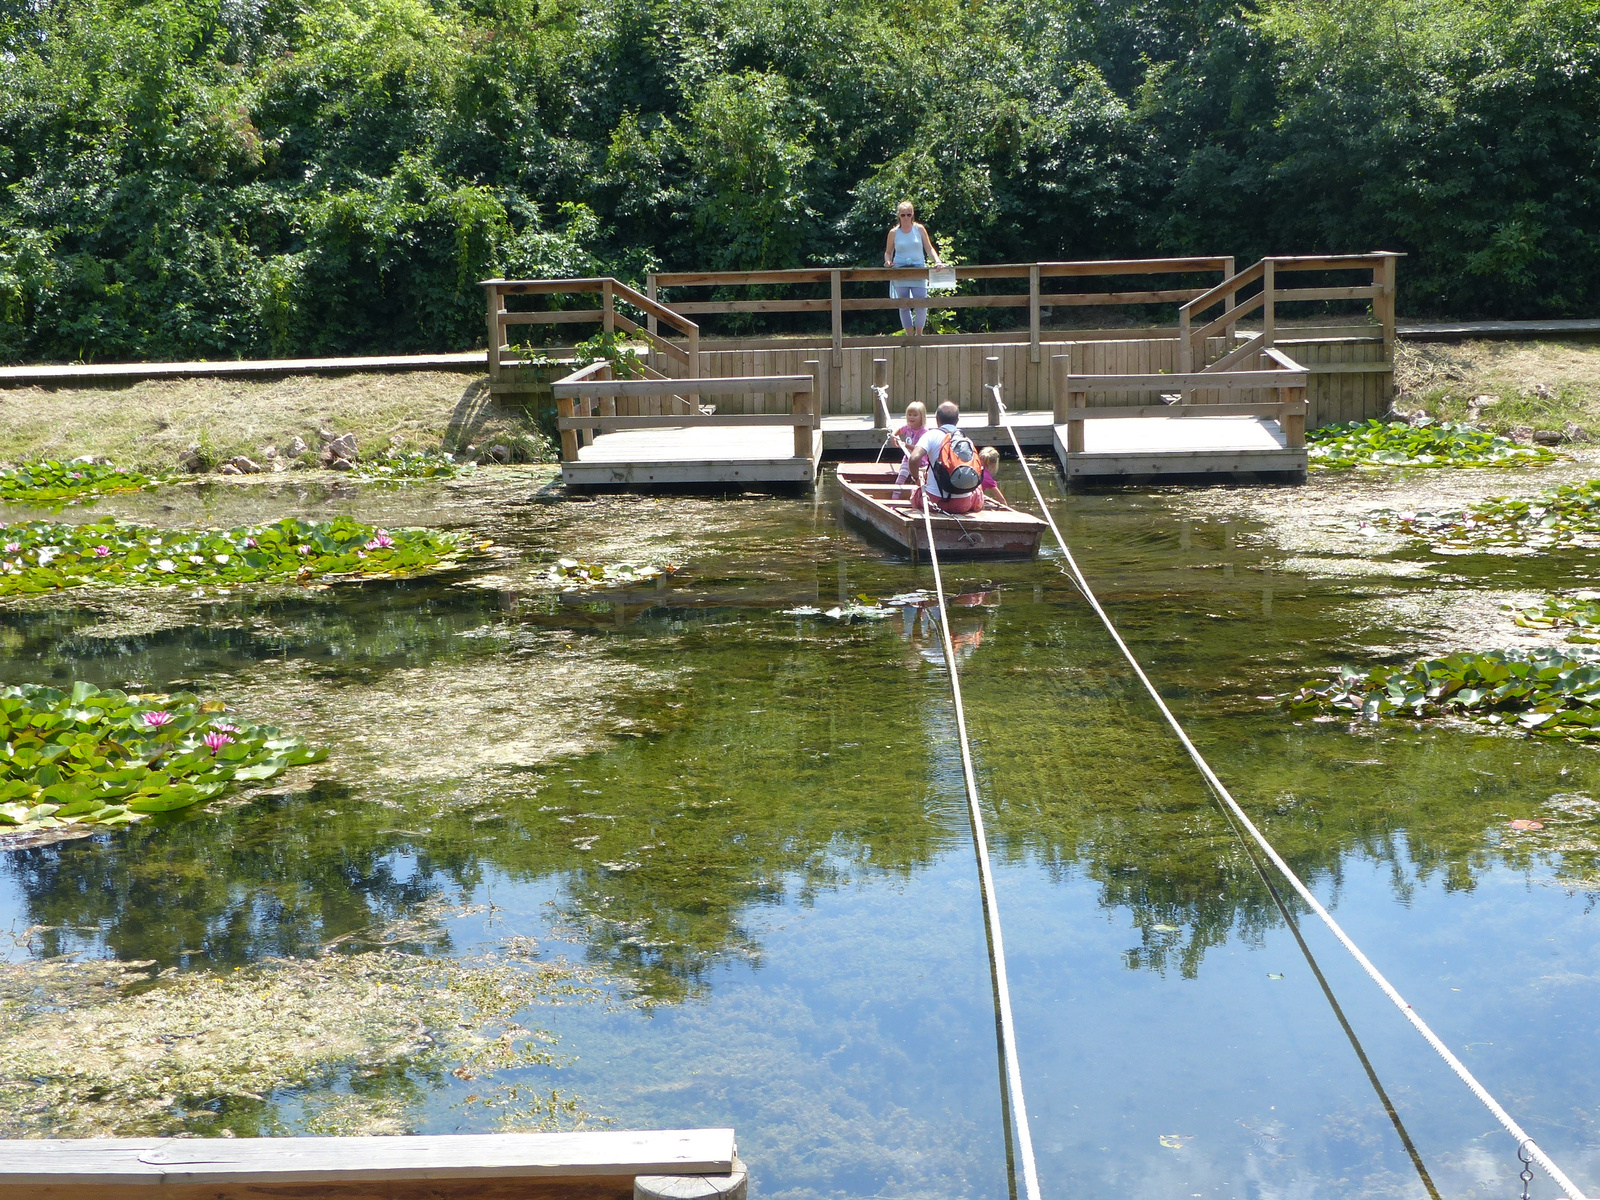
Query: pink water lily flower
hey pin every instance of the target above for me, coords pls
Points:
(216, 740)
(225, 727)
(155, 720)
(101, 551)
(382, 542)
(305, 549)
(13, 547)
(249, 543)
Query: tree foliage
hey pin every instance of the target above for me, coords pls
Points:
(189, 178)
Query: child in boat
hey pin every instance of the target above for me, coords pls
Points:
(908, 435)
(990, 458)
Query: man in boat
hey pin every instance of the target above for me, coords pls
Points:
(945, 464)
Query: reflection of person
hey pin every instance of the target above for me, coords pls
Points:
(909, 245)
(922, 629)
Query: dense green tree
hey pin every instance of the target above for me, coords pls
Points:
(194, 178)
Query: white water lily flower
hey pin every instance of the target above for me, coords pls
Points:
(222, 558)
(46, 553)
(196, 558)
(166, 564)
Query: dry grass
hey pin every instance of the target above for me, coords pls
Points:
(148, 425)
(1542, 385)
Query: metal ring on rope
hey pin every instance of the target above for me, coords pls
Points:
(1220, 791)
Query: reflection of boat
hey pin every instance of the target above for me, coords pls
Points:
(870, 495)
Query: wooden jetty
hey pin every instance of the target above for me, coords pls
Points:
(869, 495)
(1225, 390)
(514, 1166)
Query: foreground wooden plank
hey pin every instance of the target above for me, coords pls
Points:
(583, 1163)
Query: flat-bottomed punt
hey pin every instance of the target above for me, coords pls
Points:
(869, 494)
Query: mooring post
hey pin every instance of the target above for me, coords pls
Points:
(991, 388)
(1033, 312)
(880, 395)
(733, 1186)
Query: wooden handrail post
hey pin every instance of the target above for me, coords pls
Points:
(608, 307)
(1060, 368)
(1383, 307)
(1229, 300)
(804, 404)
(991, 388)
(496, 331)
(1033, 312)
(1294, 425)
(836, 310)
(569, 437)
(650, 322)
(1268, 302)
(1076, 403)
(880, 395)
(1185, 350)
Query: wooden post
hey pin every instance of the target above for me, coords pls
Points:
(1185, 350)
(569, 437)
(804, 404)
(991, 388)
(650, 320)
(608, 309)
(492, 293)
(1294, 427)
(1033, 312)
(1268, 303)
(1383, 306)
(1075, 400)
(836, 309)
(1229, 300)
(880, 398)
(1060, 368)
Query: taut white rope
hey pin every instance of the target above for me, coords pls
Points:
(1222, 794)
(991, 910)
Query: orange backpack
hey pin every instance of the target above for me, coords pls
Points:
(956, 467)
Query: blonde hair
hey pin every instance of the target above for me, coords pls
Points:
(905, 204)
(990, 458)
(916, 413)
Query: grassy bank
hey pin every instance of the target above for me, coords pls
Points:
(148, 425)
(1500, 386)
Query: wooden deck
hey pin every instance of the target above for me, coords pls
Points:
(539, 1166)
(705, 456)
(1135, 447)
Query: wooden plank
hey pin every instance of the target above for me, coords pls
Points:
(1350, 368)
(1333, 293)
(542, 287)
(733, 385)
(610, 424)
(1171, 383)
(1174, 412)
(1226, 288)
(147, 1163)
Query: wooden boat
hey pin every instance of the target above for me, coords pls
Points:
(867, 492)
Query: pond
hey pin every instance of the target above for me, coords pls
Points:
(728, 845)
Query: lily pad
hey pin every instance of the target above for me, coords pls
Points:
(51, 482)
(1348, 444)
(101, 758)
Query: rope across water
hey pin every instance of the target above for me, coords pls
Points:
(1524, 1142)
(991, 910)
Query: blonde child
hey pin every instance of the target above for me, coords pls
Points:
(908, 435)
(990, 458)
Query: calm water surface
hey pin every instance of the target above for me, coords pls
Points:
(751, 823)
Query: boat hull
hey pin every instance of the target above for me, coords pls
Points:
(867, 496)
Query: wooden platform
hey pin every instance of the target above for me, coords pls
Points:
(1188, 445)
(537, 1166)
(705, 456)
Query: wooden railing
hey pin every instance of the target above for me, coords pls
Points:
(1033, 275)
(1192, 337)
(610, 291)
(1070, 395)
(586, 403)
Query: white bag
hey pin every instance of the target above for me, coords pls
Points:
(942, 279)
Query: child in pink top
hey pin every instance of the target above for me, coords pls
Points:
(908, 435)
(990, 458)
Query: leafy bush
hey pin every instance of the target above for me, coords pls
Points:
(91, 757)
(39, 557)
(1398, 444)
(1541, 692)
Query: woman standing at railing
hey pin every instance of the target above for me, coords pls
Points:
(909, 245)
